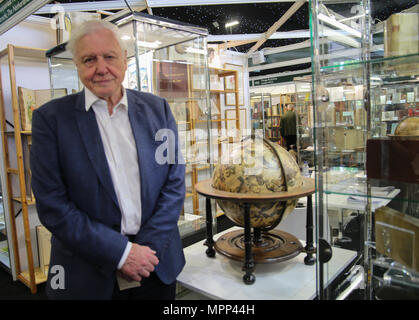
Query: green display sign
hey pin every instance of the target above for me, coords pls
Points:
(277, 79)
(263, 82)
(9, 7)
(14, 11)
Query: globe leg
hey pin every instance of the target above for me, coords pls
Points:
(249, 265)
(309, 248)
(210, 241)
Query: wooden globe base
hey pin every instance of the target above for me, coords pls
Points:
(268, 247)
(262, 247)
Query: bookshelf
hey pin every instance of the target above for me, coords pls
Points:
(16, 144)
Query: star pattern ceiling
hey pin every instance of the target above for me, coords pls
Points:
(253, 18)
(258, 18)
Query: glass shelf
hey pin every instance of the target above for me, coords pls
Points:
(400, 275)
(393, 61)
(395, 273)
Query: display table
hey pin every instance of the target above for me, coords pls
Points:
(221, 278)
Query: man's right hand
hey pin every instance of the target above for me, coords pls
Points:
(140, 263)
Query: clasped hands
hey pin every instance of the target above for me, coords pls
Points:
(140, 262)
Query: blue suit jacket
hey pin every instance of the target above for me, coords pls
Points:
(76, 201)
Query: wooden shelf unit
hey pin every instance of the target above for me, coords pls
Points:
(32, 276)
(195, 117)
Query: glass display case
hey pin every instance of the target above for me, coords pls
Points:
(304, 111)
(261, 115)
(365, 82)
(392, 166)
(167, 58)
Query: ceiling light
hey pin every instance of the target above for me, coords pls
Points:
(195, 50)
(231, 23)
(153, 45)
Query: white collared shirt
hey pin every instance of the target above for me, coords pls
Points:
(121, 154)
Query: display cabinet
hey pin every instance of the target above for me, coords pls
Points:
(304, 111)
(392, 163)
(366, 176)
(273, 122)
(261, 114)
(221, 122)
(271, 116)
(169, 58)
(224, 120)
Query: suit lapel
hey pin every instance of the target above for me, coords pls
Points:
(144, 140)
(90, 136)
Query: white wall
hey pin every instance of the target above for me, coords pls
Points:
(32, 32)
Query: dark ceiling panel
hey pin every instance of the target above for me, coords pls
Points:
(258, 18)
(253, 18)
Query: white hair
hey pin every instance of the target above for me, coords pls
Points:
(89, 27)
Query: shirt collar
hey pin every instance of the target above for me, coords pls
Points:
(90, 98)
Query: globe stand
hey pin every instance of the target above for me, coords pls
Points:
(244, 246)
(210, 241)
(249, 265)
(309, 248)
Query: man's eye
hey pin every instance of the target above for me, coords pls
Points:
(109, 57)
(88, 60)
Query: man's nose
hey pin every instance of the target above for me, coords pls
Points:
(101, 65)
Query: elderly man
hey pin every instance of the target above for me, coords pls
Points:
(111, 208)
(288, 127)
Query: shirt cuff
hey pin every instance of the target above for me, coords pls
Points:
(124, 255)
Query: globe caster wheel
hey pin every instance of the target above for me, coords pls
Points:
(309, 260)
(249, 278)
(210, 253)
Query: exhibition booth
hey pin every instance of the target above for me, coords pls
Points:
(333, 217)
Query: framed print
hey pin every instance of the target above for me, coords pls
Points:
(243, 118)
(216, 83)
(214, 105)
(171, 79)
(229, 84)
(230, 99)
(130, 80)
(230, 118)
(30, 99)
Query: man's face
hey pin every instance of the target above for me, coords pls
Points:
(101, 63)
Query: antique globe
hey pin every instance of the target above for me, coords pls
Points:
(408, 127)
(257, 184)
(258, 167)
